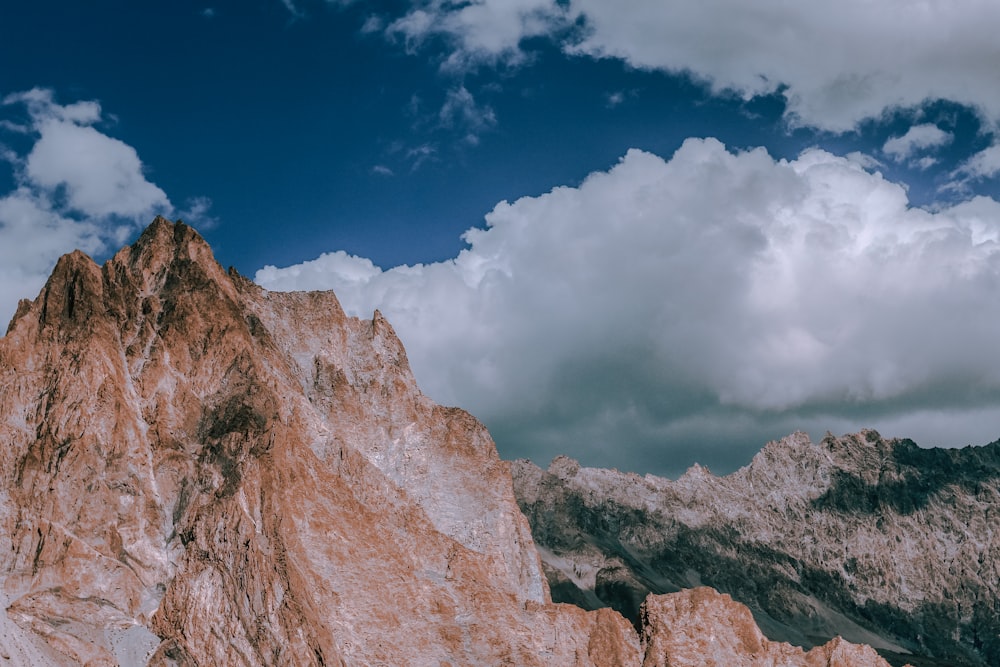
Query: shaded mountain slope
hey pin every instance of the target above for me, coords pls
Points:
(873, 539)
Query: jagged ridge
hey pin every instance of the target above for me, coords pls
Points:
(874, 539)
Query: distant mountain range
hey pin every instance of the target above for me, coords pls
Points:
(874, 539)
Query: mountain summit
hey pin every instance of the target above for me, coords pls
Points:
(195, 471)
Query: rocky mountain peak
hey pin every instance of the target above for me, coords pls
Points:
(179, 439)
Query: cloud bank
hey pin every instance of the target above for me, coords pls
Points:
(710, 298)
(835, 64)
(76, 187)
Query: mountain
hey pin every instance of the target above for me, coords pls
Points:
(195, 471)
(873, 539)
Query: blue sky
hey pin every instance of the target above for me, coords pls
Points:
(641, 233)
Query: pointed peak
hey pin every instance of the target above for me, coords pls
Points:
(72, 291)
(697, 471)
(163, 232)
(163, 242)
(564, 467)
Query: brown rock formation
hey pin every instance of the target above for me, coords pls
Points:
(701, 627)
(254, 478)
(195, 471)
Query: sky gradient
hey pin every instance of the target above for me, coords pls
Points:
(642, 234)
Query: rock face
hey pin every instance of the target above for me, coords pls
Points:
(876, 540)
(194, 471)
(702, 628)
(199, 472)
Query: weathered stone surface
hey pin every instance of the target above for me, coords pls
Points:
(199, 469)
(703, 628)
(873, 539)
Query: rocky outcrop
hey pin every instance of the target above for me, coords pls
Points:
(872, 539)
(702, 628)
(196, 471)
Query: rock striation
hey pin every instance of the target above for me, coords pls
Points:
(195, 471)
(872, 539)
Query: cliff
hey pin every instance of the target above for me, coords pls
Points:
(199, 469)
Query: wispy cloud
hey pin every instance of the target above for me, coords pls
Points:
(984, 164)
(420, 155)
(293, 9)
(197, 212)
(835, 65)
(918, 138)
(461, 111)
(480, 32)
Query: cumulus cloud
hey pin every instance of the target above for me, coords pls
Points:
(75, 188)
(100, 176)
(917, 139)
(835, 64)
(714, 293)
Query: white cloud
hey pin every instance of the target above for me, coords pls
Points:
(835, 63)
(917, 139)
(483, 32)
(663, 292)
(460, 110)
(196, 213)
(864, 160)
(420, 155)
(75, 188)
(102, 176)
(984, 164)
(372, 24)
